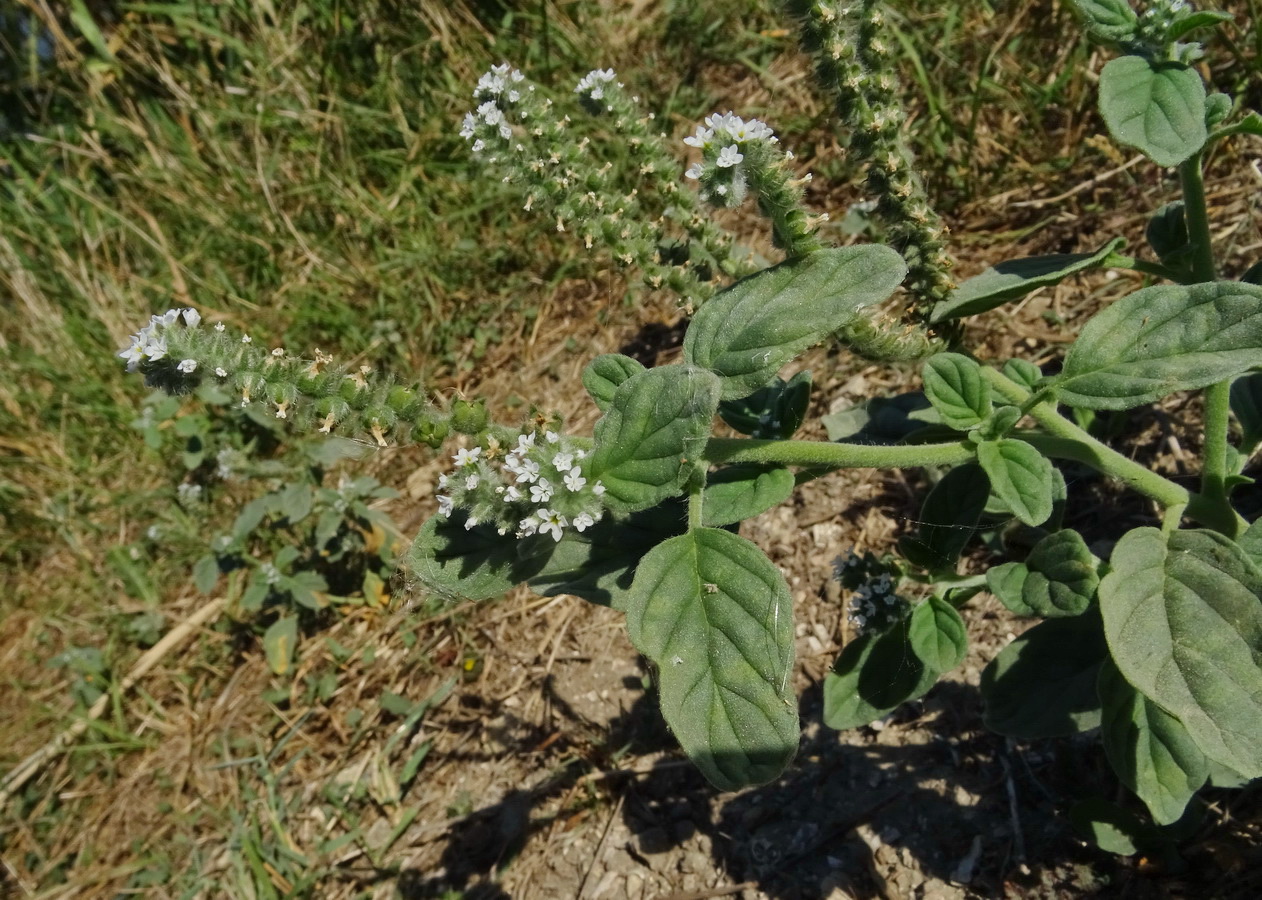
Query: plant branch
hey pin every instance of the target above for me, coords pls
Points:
(821, 455)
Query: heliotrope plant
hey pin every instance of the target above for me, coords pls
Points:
(1158, 646)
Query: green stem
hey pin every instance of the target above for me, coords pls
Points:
(1217, 396)
(1065, 440)
(821, 455)
(1157, 270)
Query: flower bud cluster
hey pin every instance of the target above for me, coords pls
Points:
(853, 61)
(1155, 28)
(521, 137)
(177, 355)
(739, 156)
(875, 604)
(540, 486)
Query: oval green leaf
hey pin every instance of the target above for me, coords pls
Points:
(474, 564)
(875, 674)
(650, 439)
(1158, 108)
(955, 387)
(1183, 616)
(1149, 749)
(1021, 477)
(937, 635)
(1062, 578)
(1160, 340)
(279, 642)
(747, 332)
(948, 519)
(716, 618)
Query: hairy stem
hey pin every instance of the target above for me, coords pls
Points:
(820, 455)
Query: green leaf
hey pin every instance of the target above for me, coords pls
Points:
(1204, 18)
(255, 593)
(1024, 373)
(937, 635)
(650, 439)
(1108, 20)
(742, 492)
(1167, 234)
(1015, 278)
(1217, 108)
(1246, 403)
(252, 514)
(1057, 579)
(603, 374)
(998, 424)
(875, 674)
(1108, 826)
(1043, 684)
(279, 642)
(747, 332)
(955, 387)
(948, 519)
(1156, 107)
(307, 589)
(206, 573)
(295, 502)
(599, 564)
(773, 412)
(1021, 477)
(1183, 615)
(1149, 749)
(1251, 543)
(474, 564)
(715, 616)
(1163, 339)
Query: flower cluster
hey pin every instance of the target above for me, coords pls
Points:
(723, 172)
(150, 342)
(875, 604)
(541, 486)
(178, 356)
(524, 138)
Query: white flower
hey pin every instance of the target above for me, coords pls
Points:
(134, 355)
(470, 523)
(729, 156)
(156, 348)
(221, 372)
(278, 352)
(598, 489)
(192, 318)
(187, 366)
(442, 482)
(219, 326)
(583, 521)
(245, 339)
(593, 83)
(444, 505)
(551, 436)
(528, 471)
(524, 443)
(167, 319)
(541, 492)
(562, 461)
(468, 126)
(511, 494)
(527, 526)
(465, 457)
(694, 171)
(471, 482)
(701, 139)
(551, 521)
(574, 481)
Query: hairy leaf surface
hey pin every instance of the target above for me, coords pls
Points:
(948, 519)
(875, 674)
(605, 373)
(1021, 477)
(742, 492)
(1183, 615)
(1163, 339)
(650, 439)
(747, 332)
(955, 387)
(716, 618)
(1149, 749)
(937, 635)
(1157, 107)
(1057, 579)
